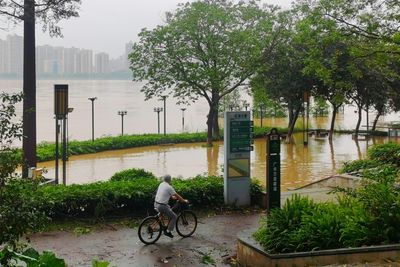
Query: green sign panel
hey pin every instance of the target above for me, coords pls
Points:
(240, 136)
(273, 170)
(274, 181)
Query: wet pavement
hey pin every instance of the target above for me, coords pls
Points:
(214, 242)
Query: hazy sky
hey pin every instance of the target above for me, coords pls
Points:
(106, 25)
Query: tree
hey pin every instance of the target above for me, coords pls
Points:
(10, 130)
(282, 76)
(206, 49)
(371, 19)
(19, 201)
(48, 13)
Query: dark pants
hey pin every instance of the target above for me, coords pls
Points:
(166, 210)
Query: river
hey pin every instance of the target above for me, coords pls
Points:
(114, 96)
(300, 164)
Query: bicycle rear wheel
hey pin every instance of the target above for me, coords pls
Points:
(149, 230)
(186, 223)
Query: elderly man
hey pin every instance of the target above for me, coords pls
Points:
(164, 192)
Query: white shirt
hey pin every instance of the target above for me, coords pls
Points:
(164, 192)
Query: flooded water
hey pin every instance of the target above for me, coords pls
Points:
(114, 96)
(300, 164)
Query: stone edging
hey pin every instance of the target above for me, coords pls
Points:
(250, 253)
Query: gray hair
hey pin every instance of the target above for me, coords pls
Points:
(167, 178)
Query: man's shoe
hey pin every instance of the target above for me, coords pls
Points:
(169, 234)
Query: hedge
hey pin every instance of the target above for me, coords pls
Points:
(46, 151)
(130, 196)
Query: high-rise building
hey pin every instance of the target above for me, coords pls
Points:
(101, 63)
(2, 56)
(86, 61)
(11, 55)
(128, 50)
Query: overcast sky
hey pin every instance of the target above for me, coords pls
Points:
(106, 25)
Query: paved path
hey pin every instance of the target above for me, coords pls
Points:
(215, 236)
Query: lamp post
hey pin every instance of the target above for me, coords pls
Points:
(164, 97)
(158, 110)
(92, 99)
(183, 119)
(67, 131)
(122, 113)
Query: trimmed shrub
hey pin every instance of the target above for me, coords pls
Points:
(46, 151)
(132, 174)
(132, 196)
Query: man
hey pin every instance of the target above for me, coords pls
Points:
(164, 192)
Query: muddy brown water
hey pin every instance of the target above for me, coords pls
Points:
(113, 96)
(300, 164)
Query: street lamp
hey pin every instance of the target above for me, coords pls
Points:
(92, 99)
(164, 97)
(122, 113)
(183, 119)
(158, 110)
(67, 131)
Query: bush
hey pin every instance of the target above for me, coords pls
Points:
(387, 153)
(132, 196)
(357, 165)
(276, 231)
(21, 210)
(132, 174)
(369, 215)
(46, 151)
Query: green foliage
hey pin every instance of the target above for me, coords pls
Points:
(387, 153)
(357, 165)
(10, 130)
(207, 259)
(275, 232)
(46, 151)
(97, 263)
(22, 256)
(368, 215)
(132, 174)
(21, 210)
(132, 196)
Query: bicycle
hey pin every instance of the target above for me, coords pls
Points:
(151, 227)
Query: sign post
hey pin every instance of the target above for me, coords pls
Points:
(273, 170)
(238, 135)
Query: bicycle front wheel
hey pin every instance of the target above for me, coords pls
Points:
(186, 223)
(149, 230)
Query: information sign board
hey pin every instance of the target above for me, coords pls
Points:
(238, 135)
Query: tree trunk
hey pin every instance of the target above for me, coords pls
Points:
(29, 89)
(210, 122)
(359, 120)
(293, 115)
(215, 123)
(334, 113)
(376, 120)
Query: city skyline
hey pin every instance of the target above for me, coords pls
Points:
(103, 27)
(59, 60)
